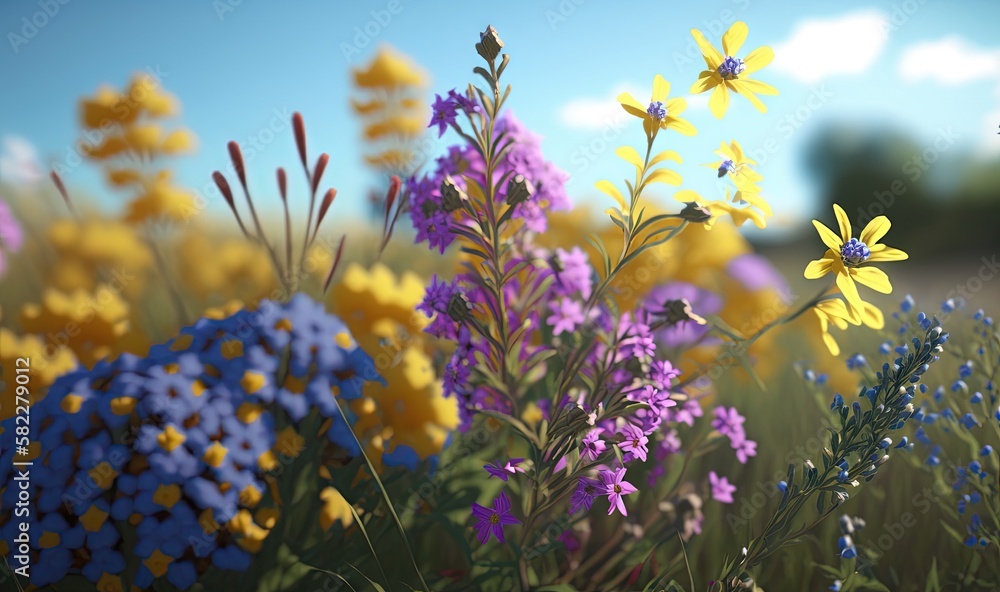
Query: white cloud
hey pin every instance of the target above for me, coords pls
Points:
(819, 48)
(951, 60)
(592, 114)
(18, 161)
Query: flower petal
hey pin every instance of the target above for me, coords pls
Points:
(758, 87)
(873, 277)
(872, 317)
(817, 268)
(661, 88)
(831, 344)
(630, 155)
(843, 223)
(847, 288)
(681, 126)
(757, 59)
(608, 188)
(881, 252)
(675, 106)
(733, 39)
(711, 55)
(718, 103)
(631, 105)
(740, 88)
(828, 237)
(875, 230)
(707, 80)
(688, 196)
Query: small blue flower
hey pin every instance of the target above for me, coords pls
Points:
(902, 443)
(986, 450)
(885, 443)
(843, 476)
(907, 304)
(975, 466)
(782, 486)
(969, 421)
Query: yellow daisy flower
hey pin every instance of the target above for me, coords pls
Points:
(846, 257)
(660, 113)
(727, 73)
(756, 211)
(735, 163)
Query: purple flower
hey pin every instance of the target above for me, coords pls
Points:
(756, 273)
(435, 306)
(745, 449)
(658, 401)
(586, 490)
(729, 422)
(634, 442)
(615, 487)
(466, 102)
(685, 413)
(722, 489)
(592, 445)
(575, 275)
(509, 468)
(11, 236)
(567, 315)
(662, 373)
(444, 113)
(492, 521)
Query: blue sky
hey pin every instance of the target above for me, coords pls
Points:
(239, 66)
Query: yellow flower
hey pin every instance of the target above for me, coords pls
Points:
(389, 69)
(376, 304)
(335, 509)
(237, 268)
(89, 248)
(836, 312)
(846, 257)
(660, 113)
(735, 163)
(727, 73)
(757, 210)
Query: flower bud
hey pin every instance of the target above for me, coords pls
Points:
(695, 212)
(452, 197)
(490, 44)
(459, 309)
(519, 190)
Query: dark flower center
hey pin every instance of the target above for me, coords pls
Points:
(495, 519)
(618, 488)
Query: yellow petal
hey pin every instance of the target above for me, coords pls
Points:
(661, 88)
(706, 81)
(873, 277)
(666, 155)
(848, 289)
(733, 39)
(664, 176)
(629, 154)
(757, 59)
(875, 230)
(758, 87)
(718, 103)
(831, 344)
(675, 107)
(737, 151)
(739, 87)
(872, 316)
(843, 223)
(608, 188)
(688, 196)
(828, 237)
(818, 268)
(681, 126)
(711, 55)
(631, 105)
(883, 253)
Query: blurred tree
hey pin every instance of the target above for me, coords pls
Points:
(940, 201)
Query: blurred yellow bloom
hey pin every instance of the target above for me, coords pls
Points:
(335, 509)
(377, 303)
(389, 69)
(162, 202)
(88, 323)
(397, 124)
(727, 73)
(86, 250)
(412, 407)
(48, 361)
(229, 269)
(847, 256)
(659, 113)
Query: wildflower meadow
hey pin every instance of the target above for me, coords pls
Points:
(360, 317)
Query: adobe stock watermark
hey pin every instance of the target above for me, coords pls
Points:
(563, 10)
(591, 151)
(914, 169)
(33, 24)
(366, 33)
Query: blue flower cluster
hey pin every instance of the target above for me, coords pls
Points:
(178, 447)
